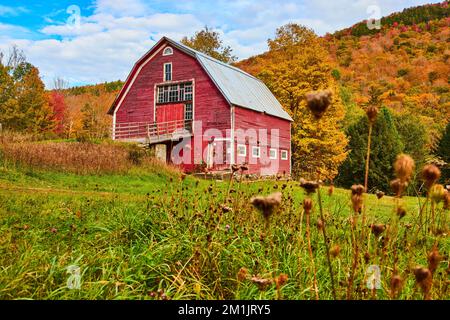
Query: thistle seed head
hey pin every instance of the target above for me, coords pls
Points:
(430, 174)
(434, 258)
(281, 279)
(331, 190)
(379, 194)
(396, 284)
(401, 212)
(404, 167)
(447, 200)
(335, 251)
(378, 229)
(242, 274)
(320, 224)
(309, 186)
(307, 205)
(357, 189)
(424, 280)
(372, 112)
(267, 204)
(437, 193)
(398, 186)
(318, 102)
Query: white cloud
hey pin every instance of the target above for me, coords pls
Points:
(11, 11)
(107, 43)
(121, 7)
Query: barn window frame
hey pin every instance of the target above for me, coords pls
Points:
(241, 147)
(175, 92)
(167, 71)
(275, 153)
(284, 155)
(168, 51)
(258, 152)
(188, 111)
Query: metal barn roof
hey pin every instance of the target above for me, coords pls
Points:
(238, 87)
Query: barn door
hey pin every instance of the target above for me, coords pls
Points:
(169, 117)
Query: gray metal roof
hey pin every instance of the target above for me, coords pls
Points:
(238, 87)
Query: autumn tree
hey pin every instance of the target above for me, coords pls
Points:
(93, 124)
(9, 115)
(297, 65)
(23, 100)
(58, 106)
(209, 42)
(33, 103)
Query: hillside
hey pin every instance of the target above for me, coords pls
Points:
(405, 64)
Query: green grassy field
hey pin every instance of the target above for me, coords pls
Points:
(157, 236)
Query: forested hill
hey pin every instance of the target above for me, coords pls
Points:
(405, 64)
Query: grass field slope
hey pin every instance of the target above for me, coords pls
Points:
(149, 232)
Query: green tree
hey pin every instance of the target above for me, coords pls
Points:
(414, 136)
(386, 145)
(443, 151)
(298, 64)
(209, 42)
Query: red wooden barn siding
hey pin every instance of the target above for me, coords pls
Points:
(209, 106)
(249, 119)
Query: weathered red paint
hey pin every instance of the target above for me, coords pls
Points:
(137, 104)
(247, 119)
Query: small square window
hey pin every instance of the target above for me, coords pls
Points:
(273, 153)
(241, 150)
(256, 152)
(284, 154)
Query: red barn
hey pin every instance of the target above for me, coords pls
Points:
(199, 112)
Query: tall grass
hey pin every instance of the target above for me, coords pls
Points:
(85, 158)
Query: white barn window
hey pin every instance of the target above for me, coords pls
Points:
(167, 71)
(168, 51)
(241, 150)
(284, 154)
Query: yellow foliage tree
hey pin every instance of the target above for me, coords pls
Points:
(298, 64)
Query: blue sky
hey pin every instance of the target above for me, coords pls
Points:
(92, 41)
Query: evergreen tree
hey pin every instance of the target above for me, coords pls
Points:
(443, 151)
(386, 145)
(298, 65)
(414, 137)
